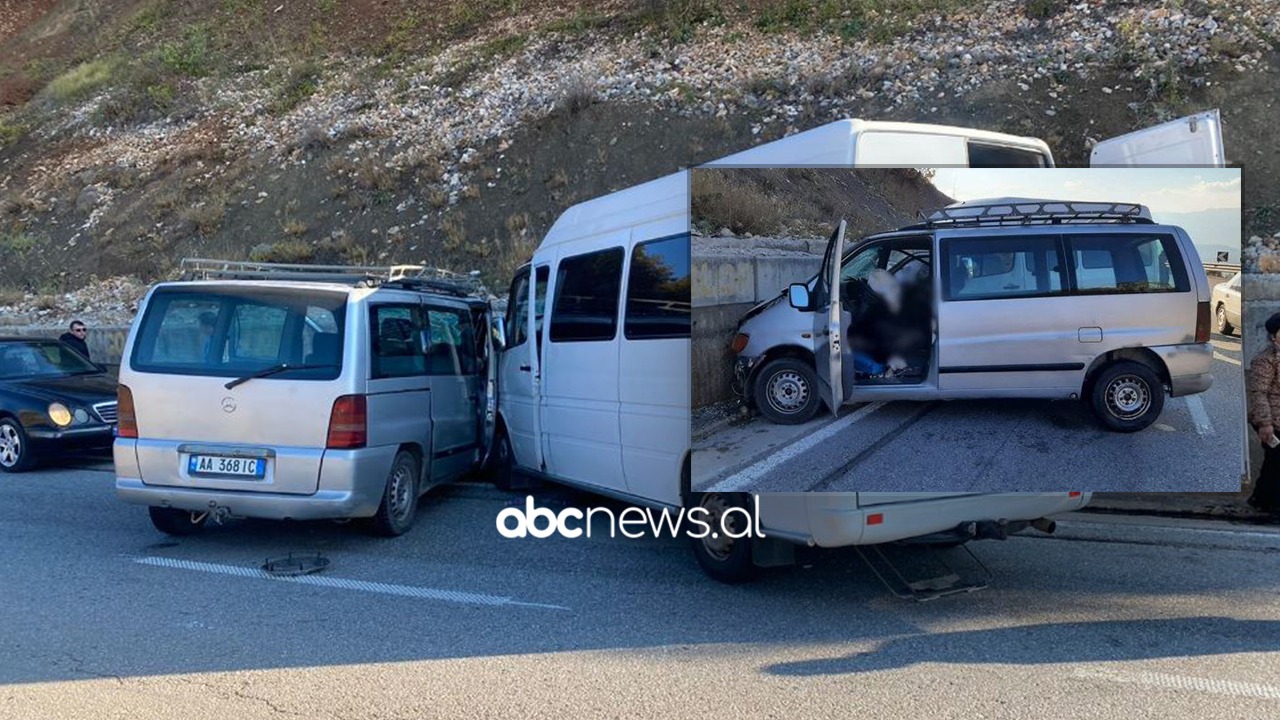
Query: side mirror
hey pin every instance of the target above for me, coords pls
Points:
(498, 329)
(798, 296)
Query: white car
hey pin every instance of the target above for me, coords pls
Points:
(1226, 305)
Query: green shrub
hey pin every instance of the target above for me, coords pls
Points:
(82, 79)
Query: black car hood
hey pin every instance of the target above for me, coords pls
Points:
(88, 389)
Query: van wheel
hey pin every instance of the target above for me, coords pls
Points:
(15, 451)
(502, 463)
(725, 558)
(399, 498)
(172, 521)
(786, 391)
(1224, 326)
(1127, 396)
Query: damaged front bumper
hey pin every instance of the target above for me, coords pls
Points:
(743, 367)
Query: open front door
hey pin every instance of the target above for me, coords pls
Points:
(826, 323)
(1195, 140)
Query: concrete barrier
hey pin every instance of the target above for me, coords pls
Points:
(728, 278)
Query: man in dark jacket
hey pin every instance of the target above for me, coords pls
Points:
(1264, 416)
(75, 339)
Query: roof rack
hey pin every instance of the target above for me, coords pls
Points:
(1034, 212)
(413, 277)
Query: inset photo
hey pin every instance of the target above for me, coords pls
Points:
(966, 330)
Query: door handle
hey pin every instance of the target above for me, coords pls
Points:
(526, 368)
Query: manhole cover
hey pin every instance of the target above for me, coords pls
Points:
(296, 564)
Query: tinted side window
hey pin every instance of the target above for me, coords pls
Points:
(658, 290)
(452, 349)
(1127, 263)
(1005, 267)
(999, 156)
(518, 310)
(395, 331)
(586, 303)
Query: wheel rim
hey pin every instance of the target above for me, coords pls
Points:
(10, 445)
(1222, 317)
(717, 543)
(787, 391)
(1128, 397)
(401, 499)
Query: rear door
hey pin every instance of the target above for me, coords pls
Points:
(827, 318)
(1195, 140)
(193, 339)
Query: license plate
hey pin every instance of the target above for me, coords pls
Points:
(227, 466)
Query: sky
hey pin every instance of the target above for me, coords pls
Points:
(1203, 201)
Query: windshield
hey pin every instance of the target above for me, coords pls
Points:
(41, 358)
(238, 330)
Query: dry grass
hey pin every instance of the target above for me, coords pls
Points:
(289, 251)
(455, 231)
(719, 202)
(294, 227)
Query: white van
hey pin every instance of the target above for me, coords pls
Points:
(594, 380)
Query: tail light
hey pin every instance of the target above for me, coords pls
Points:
(1074, 493)
(348, 423)
(740, 342)
(1202, 322)
(126, 416)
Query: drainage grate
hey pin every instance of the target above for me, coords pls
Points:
(296, 564)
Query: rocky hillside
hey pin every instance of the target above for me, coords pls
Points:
(137, 132)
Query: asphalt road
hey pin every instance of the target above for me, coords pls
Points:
(1196, 445)
(103, 617)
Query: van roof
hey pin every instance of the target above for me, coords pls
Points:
(665, 201)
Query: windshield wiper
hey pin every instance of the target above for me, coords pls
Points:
(275, 370)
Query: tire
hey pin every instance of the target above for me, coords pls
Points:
(1224, 326)
(1127, 396)
(502, 463)
(15, 452)
(399, 498)
(180, 523)
(723, 558)
(786, 391)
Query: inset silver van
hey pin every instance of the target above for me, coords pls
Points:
(307, 393)
(993, 298)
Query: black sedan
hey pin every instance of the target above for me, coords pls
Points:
(52, 401)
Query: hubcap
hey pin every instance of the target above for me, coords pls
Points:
(1128, 397)
(787, 392)
(10, 445)
(1222, 317)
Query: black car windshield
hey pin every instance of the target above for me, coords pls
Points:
(234, 330)
(41, 358)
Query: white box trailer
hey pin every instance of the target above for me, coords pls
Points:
(594, 381)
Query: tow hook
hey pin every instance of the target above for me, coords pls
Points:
(218, 514)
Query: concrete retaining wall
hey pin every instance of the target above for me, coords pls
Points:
(730, 276)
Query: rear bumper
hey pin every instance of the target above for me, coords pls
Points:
(323, 505)
(1189, 366)
(836, 520)
(351, 486)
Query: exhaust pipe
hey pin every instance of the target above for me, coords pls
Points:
(1044, 525)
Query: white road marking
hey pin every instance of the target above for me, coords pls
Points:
(1219, 356)
(750, 474)
(454, 596)
(1204, 425)
(1184, 682)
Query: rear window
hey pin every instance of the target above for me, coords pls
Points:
(1127, 263)
(232, 331)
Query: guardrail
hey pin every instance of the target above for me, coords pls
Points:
(1216, 268)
